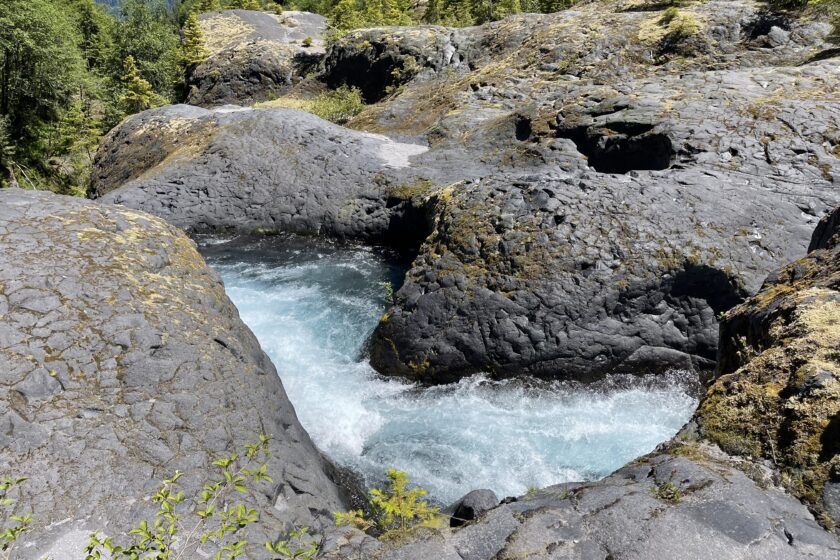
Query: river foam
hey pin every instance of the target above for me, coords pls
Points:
(312, 305)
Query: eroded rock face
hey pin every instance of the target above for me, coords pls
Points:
(686, 501)
(774, 410)
(588, 203)
(254, 56)
(583, 276)
(266, 169)
(778, 394)
(121, 361)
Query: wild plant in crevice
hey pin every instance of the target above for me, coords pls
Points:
(218, 516)
(13, 526)
(396, 510)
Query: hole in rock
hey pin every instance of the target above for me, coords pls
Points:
(623, 147)
(523, 128)
(708, 283)
(762, 23)
(372, 71)
(313, 304)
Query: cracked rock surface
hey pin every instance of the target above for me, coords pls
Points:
(121, 361)
(254, 56)
(660, 507)
(580, 202)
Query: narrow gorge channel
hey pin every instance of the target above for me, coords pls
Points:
(313, 305)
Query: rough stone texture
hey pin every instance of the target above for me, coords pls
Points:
(248, 169)
(778, 394)
(685, 501)
(121, 361)
(589, 201)
(254, 56)
(471, 506)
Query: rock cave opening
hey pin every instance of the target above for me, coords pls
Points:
(619, 147)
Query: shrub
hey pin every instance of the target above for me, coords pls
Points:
(396, 510)
(668, 491)
(338, 106)
(13, 526)
(307, 42)
(218, 517)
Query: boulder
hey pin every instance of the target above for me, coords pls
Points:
(254, 56)
(661, 507)
(122, 361)
(578, 204)
(471, 506)
(262, 169)
(777, 395)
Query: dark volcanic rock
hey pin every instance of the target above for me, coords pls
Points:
(662, 507)
(255, 56)
(268, 169)
(471, 506)
(582, 276)
(122, 360)
(778, 394)
(588, 203)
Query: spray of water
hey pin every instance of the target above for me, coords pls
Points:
(312, 305)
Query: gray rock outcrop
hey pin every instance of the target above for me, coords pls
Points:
(254, 56)
(121, 361)
(587, 203)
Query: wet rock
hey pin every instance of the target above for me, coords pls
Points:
(121, 361)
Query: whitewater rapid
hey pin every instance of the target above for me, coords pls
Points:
(313, 305)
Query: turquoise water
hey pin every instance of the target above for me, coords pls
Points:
(313, 305)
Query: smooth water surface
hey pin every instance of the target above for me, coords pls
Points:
(313, 304)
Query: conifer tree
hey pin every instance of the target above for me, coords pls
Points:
(208, 5)
(139, 94)
(244, 4)
(346, 15)
(193, 52)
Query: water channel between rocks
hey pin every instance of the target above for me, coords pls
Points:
(313, 304)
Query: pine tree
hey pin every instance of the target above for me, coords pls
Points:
(245, 4)
(346, 15)
(373, 15)
(208, 6)
(138, 95)
(193, 52)
(7, 149)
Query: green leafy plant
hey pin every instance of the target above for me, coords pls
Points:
(219, 517)
(396, 510)
(13, 526)
(388, 288)
(307, 42)
(299, 546)
(667, 491)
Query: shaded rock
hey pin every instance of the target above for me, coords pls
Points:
(471, 506)
(264, 169)
(255, 56)
(121, 361)
(582, 208)
(777, 395)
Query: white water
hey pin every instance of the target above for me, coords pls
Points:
(312, 309)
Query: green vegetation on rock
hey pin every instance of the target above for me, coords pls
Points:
(396, 511)
(338, 106)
